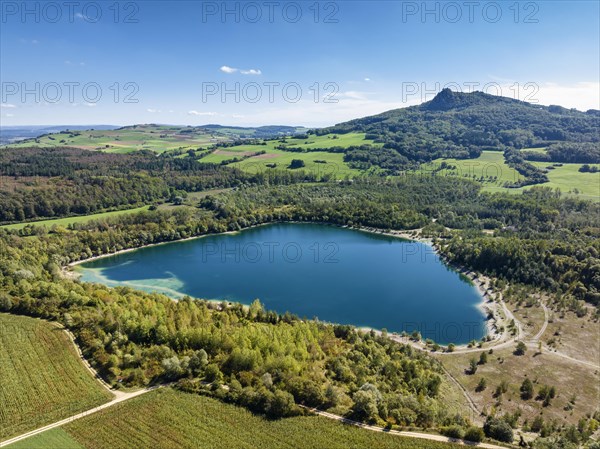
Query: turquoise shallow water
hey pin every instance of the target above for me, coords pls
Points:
(335, 274)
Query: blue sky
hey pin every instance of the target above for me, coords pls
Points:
(299, 63)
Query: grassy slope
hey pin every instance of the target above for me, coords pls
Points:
(167, 419)
(488, 166)
(78, 219)
(569, 379)
(568, 178)
(335, 161)
(491, 163)
(42, 378)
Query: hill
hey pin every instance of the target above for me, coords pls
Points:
(462, 125)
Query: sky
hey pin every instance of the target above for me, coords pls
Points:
(287, 63)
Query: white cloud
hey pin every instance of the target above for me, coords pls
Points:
(582, 95)
(201, 113)
(7, 106)
(91, 105)
(152, 110)
(9, 115)
(237, 116)
(35, 41)
(251, 72)
(367, 79)
(228, 69)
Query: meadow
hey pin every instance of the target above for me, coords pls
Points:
(492, 171)
(490, 168)
(570, 180)
(43, 379)
(329, 163)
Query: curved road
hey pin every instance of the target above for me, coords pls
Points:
(422, 436)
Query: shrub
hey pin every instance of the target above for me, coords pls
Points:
(453, 432)
(474, 434)
(498, 430)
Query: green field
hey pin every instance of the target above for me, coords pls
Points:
(78, 219)
(332, 163)
(330, 141)
(489, 168)
(541, 150)
(42, 379)
(158, 138)
(51, 439)
(167, 419)
(570, 180)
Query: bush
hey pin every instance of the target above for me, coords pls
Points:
(453, 432)
(498, 430)
(474, 434)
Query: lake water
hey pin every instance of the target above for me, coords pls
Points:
(335, 274)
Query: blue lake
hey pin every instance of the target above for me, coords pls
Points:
(335, 274)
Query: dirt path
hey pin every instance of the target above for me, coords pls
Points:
(121, 397)
(118, 395)
(423, 436)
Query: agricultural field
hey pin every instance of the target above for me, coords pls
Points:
(51, 439)
(158, 138)
(166, 419)
(77, 219)
(42, 378)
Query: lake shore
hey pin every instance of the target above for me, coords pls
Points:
(487, 305)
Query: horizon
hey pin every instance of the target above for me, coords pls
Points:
(247, 126)
(145, 62)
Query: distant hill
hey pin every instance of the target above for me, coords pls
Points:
(153, 137)
(10, 134)
(260, 132)
(461, 125)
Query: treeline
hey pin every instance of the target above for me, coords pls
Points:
(49, 183)
(579, 152)
(532, 174)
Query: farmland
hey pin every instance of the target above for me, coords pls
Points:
(51, 439)
(168, 419)
(157, 138)
(43, 379)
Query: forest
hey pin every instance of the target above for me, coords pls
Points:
(271, 363)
